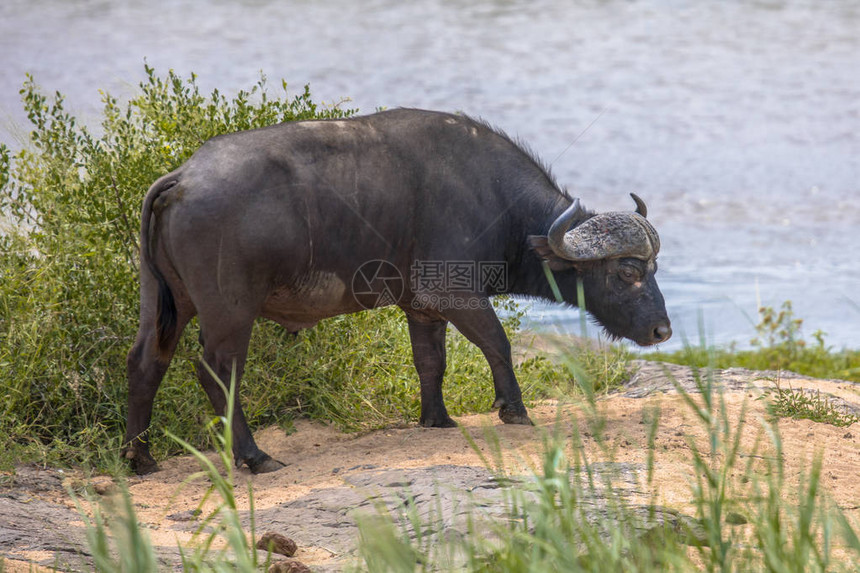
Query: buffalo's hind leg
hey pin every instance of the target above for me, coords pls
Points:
(428, 353)
(225, 349)
(146, 365)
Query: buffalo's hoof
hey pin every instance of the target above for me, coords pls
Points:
(445, 422)
(264, 464)
(512, 413)
(515, 416)
(142, 463)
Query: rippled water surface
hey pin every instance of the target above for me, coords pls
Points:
(737, 121)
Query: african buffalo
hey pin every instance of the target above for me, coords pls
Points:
(307, 220)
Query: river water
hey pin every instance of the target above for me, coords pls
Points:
(738, 121)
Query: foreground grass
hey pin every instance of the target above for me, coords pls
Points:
(117, 541)
(550, 522)
(569, 514)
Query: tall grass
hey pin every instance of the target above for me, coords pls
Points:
(569, 516)
(118, 543)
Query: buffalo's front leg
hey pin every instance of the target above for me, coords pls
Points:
(428, 352)
(479, 323)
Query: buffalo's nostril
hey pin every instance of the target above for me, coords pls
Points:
(662, 333)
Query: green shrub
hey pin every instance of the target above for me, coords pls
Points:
(69, 279)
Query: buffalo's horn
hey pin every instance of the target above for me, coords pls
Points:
(611, 235)
(604, 236)
(555, 237)
(640, 205)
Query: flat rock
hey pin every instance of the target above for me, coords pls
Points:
(446, 497)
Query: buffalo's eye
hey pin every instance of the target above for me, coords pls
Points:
(630, 274)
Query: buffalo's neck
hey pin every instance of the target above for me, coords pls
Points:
(526, 276)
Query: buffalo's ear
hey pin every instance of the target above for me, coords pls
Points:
(539, 245)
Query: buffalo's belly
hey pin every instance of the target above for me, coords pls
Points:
(304, 303)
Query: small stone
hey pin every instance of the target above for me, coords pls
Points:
(279, 544)
(189, 515)
(401, 484)
(848, 435)
(103, 486)
(288, 566)
(693, 532)
(734, 518)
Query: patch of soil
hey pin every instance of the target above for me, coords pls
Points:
(331, 477)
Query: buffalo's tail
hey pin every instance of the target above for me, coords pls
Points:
(165, 322)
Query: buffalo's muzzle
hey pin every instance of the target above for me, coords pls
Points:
(662, 333)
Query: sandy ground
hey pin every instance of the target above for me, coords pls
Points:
(331, 475)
